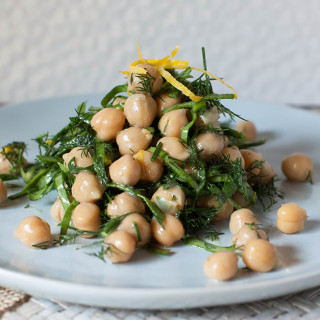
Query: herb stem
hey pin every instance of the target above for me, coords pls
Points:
(32, 183)
(112, 93)
(181, 175)
(156, 211)
(196, 106)
(99, 163)
(67, 218)
(62, 193)
(186, 128)
(196, 242)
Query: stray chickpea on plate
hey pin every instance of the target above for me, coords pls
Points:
(153, 166)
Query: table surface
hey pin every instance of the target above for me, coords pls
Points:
(16, 305)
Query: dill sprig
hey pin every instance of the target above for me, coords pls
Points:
(309, 177)
(212, 234)
(42, 245)
(268, 194)
(146, 82)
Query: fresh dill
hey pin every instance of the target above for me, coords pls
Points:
(137, 230)
(145, 83)
(212, 234)
(43, 245)
(268, 194)
(309, 177)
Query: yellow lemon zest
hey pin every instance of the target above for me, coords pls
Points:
(140, 156)
(139, 53)
(175, 51)
(7, 149)
(139, 70)
(172, 80)
(217, 78)
(168, 63)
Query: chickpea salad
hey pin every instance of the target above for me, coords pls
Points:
(155, 165)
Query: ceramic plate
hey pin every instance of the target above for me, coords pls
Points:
(150, 281)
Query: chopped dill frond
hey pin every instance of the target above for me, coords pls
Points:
(309, 177)
(146, 82)
(43, 245)
(212, 234)
(268, 194)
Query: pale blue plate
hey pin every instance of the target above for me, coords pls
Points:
(156, 282)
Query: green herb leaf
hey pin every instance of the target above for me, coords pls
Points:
(110, 95)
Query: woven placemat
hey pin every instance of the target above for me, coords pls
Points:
(304, 305)
(11, 298)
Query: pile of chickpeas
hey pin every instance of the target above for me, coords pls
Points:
(139, 111)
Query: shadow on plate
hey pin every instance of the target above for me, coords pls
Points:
(296, 190)
(287, 256)
(311, 225)
(269, 135)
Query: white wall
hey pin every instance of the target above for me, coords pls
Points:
(267, 50)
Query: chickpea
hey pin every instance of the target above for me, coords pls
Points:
(239, 218)
(249, 158)
(169, 200)
(125, 170)
(248, 233)
(190, 169)
(134, 80)
(140, 110)
(239, 199)
(3, 192)
(124, 203)
(171, 123)
(107, 123)
(82, 158)
(133, 139)
(221, 265)
(248, 129)
(223, 212)
(32, 231)
(175, 148)
(5, 164)
(225, 141)
(164, 101)
(172, 231)
(233, 153)
(122, 246)
(260, 255)
(297, 167)
(56, 211)
(209, 144)
(150, 170)
(119, 100)
(266, 173)
(87, 187)
(86, 216)
(291, 218)
(135, 221)
(211, 117)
